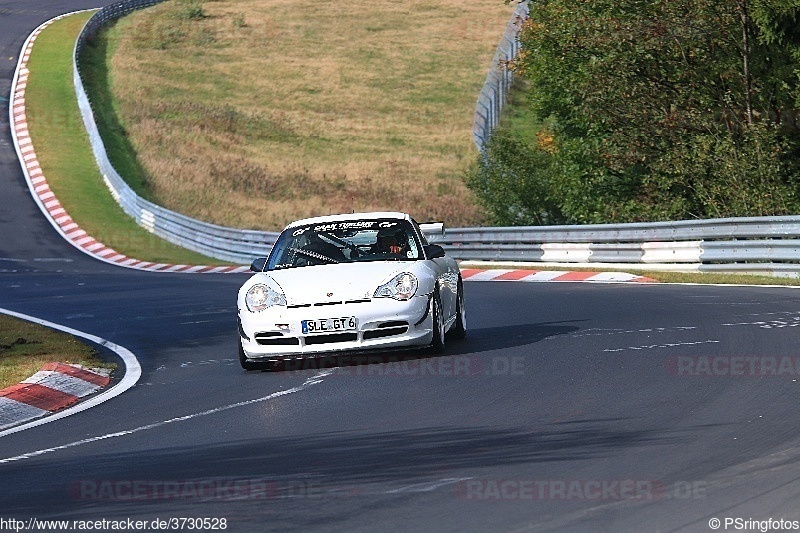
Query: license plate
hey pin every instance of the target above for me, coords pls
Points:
(328, 325)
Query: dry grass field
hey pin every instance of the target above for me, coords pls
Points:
(251, 114)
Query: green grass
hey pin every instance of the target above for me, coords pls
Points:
(64, 152)
(517, 116)
(25, 347)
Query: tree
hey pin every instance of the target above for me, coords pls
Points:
(665, 110)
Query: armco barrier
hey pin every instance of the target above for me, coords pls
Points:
(753, 244)
(227, 244)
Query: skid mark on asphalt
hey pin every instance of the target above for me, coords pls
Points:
(162, 369)
(313, 380)
(792, 319)
(187, 364)
(659, 346)
(597, 332)
(773, 324)
(428, 486)
(774, 313)
(207, 362)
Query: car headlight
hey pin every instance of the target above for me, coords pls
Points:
(260, 297)
(401, 287)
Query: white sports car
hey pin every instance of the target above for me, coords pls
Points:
(363, 281)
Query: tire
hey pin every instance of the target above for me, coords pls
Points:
(437, 342)
(459, 329)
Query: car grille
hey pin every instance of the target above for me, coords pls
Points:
(387, 329)
(331, 337)
(320, 304)
(275, 339)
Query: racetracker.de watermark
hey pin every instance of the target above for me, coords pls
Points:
(212, 489)
(578, 489)
(411, 367)
(733, 366)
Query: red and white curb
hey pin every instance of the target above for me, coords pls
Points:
(22, 406)
(54, 387)
(46, 199)
(477, 274)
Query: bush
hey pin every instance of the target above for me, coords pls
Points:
(514, 182)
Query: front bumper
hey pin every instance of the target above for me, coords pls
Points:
(383, 323)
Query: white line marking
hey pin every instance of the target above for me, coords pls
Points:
(307, 383)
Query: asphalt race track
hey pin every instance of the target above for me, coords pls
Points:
(569, 407)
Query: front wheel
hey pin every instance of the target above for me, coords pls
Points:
(459, 329)
(437, 343)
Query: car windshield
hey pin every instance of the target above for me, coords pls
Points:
(346, 241)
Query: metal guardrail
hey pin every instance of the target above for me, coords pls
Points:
(639, 232)
(751, 244)
(498, 81)
(228, 244)
(108, 14)
(754, 244)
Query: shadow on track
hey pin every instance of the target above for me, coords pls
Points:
(476, 342)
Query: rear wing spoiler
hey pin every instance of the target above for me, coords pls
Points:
(434, 231)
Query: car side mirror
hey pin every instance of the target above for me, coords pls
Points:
(433, 251)
(258, 264)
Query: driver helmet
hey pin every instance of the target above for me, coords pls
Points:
(391, 240)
